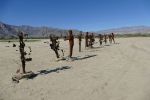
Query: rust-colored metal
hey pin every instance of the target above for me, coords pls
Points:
(80, 40)
(22, 52)
(54, 44)
(71, 42)
(113, 37)
(105, 39)
(92, 39)
(86, 39)
(110, 38)
(100, 39)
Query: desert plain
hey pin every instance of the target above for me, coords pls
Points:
(118, 71)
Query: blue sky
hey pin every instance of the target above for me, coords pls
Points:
(85, 15)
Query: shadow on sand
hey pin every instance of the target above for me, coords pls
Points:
(81, 58)
(117, 43)
(76, 58)
(93, 49)
(47, 71)
(107, 45)
(85, 57)
(89, 48)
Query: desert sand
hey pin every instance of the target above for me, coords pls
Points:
(116, 72)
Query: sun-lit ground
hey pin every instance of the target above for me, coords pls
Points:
(116, 72)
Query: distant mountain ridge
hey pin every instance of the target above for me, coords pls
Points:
(12, 31)
(7, 31)
(129, 30)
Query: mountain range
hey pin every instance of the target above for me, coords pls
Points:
(128, 30)
(8, 31)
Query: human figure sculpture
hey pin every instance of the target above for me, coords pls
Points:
(22, 52)
(105, 39)
(80, 39)
(86, 39)
(71, 42)
(100, 39)
(91, 41)
(54, 44)
(113, 37)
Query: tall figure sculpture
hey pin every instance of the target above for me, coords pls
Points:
(93, 37)
(71, 43)
(22, 52)
(100, 39)
(86, 39)
(113, 37)
(105, 39)
(80, 39)
(90, 41)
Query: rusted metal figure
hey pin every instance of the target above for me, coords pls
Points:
(113, 37)
(105, 39)
(100, 39)
(71, 42)
(22, 52)
(54, 44)
(91, 40)
(86, 39)
(80, 39)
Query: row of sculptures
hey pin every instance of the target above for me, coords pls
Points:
(54, 45)
(89, 41)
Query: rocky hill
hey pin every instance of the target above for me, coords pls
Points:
(8, 31)
(128, 30)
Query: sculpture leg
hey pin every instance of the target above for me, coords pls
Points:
(56, 52)
(79, 46)
(71, 50)
(23, 66)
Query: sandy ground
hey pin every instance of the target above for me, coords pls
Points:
(116, 72)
